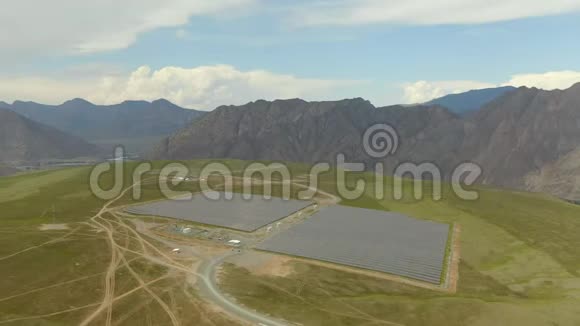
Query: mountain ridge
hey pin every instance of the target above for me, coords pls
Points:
(135, 124)
(22, 139)
(471, 101)
(510, 137)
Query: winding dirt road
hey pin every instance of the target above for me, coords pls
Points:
(109, 221)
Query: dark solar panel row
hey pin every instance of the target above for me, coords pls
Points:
(237, 213)
(368, 239)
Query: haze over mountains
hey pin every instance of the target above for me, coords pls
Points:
(22, 139)
(136, 124)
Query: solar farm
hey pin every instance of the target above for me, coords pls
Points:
(238, 213)
(369, 239)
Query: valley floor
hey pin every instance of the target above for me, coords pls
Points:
(69, 258)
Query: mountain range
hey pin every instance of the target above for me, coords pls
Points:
(470, 101)
(296, 130)
(136, 124)
(514, 138)
(523, 138)
(7, 170)
(22, 139)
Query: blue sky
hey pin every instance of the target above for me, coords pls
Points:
(487, 52)
(240, 50)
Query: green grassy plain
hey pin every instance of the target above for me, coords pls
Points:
(520, 262)
(55, 277)
(520, 266)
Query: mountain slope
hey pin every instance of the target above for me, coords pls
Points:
(136, 124)
(511, 138)
(296, 130)
(22, 139)
(470, 101)
(522, 132)
(561, 178)
(7, 170)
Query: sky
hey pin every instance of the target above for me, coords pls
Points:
(204, 53)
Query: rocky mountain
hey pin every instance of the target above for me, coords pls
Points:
(514, 137)
(522, 132)
(22, 139)
(561, 178)
(470, 101)
(7, 170)
(296, 130)
(135, 124)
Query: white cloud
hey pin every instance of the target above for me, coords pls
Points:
(181, 34)
(549, 80)
(204, 87)
(43, 89)
(32, 27)
(81, 26)
(428, 12)
(423, 91)
(207, 87)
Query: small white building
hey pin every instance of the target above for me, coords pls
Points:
(234, 243)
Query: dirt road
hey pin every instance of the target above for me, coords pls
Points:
(210, 289)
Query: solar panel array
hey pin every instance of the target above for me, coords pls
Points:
(369, 239)
(237, 213)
